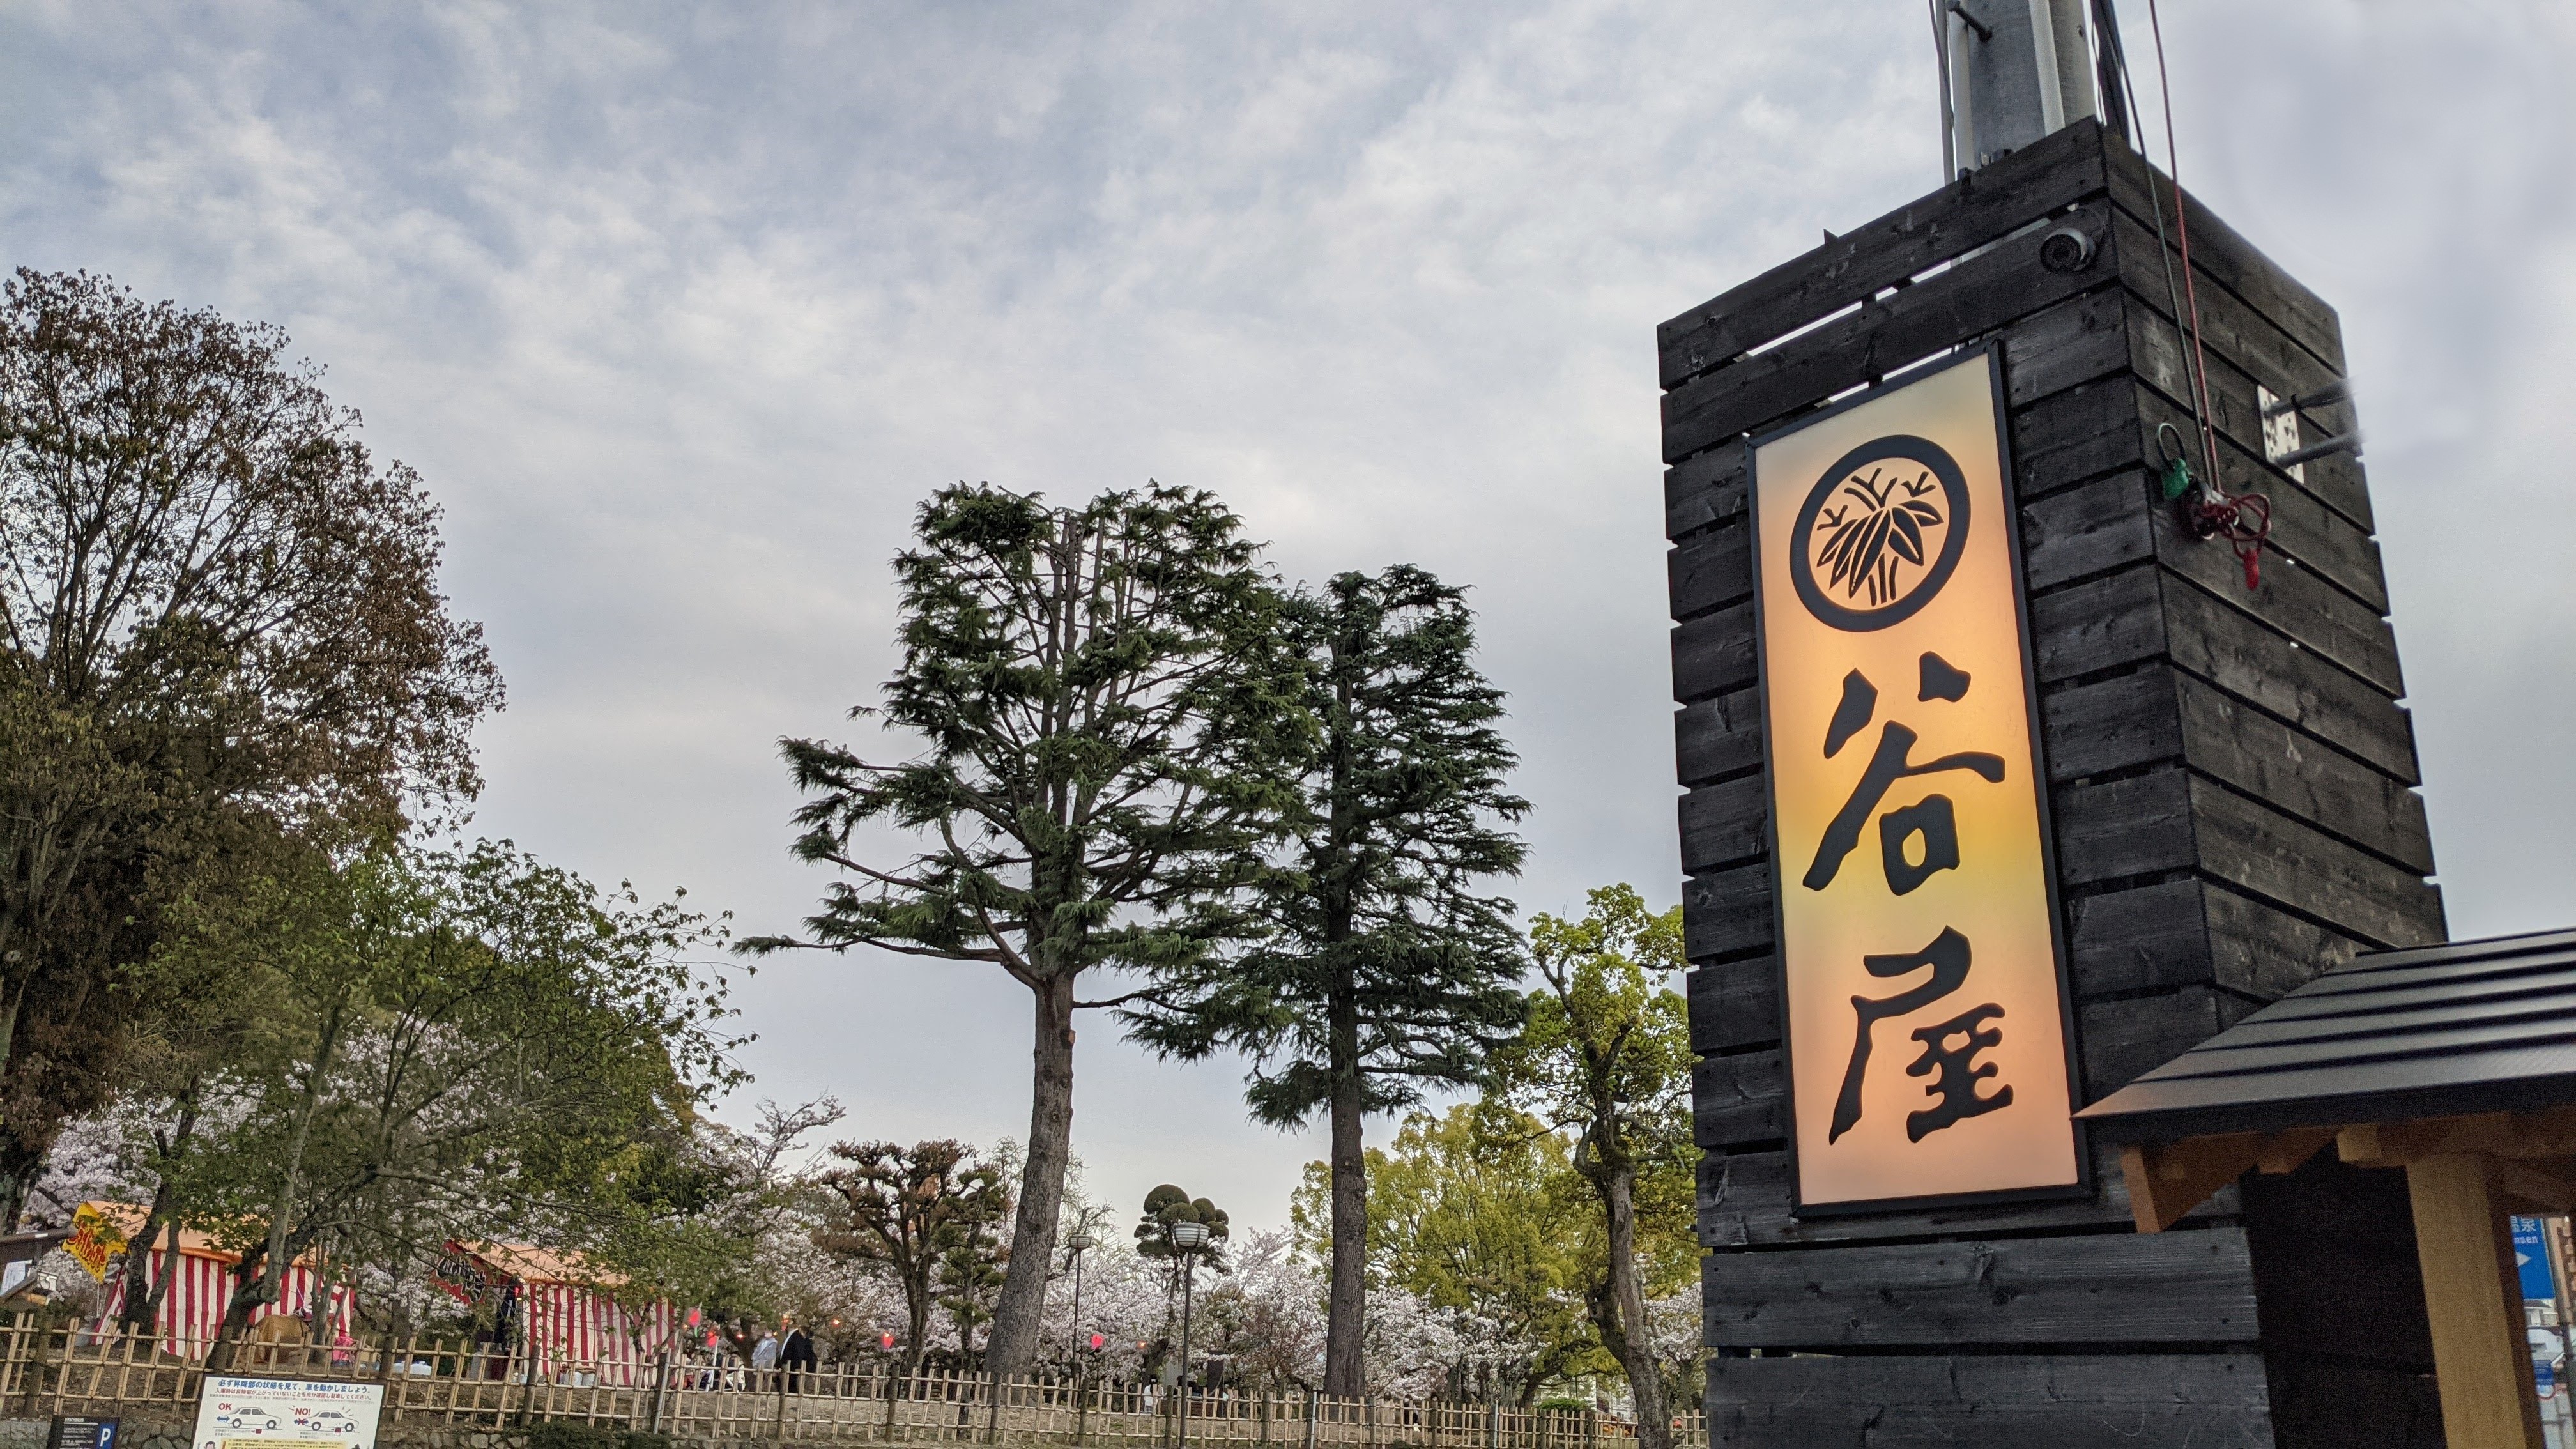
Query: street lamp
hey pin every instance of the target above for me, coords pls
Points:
(1075, 1246)
(1187, 1240)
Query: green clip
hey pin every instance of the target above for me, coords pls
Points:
(2177, 478)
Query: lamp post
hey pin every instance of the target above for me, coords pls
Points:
(1187, 1240)
(1075, 1246)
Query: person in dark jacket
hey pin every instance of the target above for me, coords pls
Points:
(797, 1354)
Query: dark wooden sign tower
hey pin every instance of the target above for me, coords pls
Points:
(2229, 778)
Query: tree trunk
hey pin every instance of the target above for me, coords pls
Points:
(1012, 1345)
(19, 1169)
(142, 1300)
(1345, 1322)
(272, 1278)
(143, 1296)
(271, 1253)
(1619, 1307)
(252, 1275)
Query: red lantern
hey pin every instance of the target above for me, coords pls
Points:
(1096, 1341)
(888, 1340)
(693, 1318)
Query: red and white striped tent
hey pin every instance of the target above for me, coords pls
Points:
(192, 1311)
(574, 1321)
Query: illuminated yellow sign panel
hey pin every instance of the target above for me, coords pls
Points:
(1919, 955)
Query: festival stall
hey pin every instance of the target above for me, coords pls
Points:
(201, 1285)
(563, 1314)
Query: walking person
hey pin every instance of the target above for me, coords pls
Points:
(798, 1354)
(764, 1359)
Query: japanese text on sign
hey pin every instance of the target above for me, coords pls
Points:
(1918, 943)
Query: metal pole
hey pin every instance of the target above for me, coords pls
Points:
(1081, 1406)
(1189, 1280)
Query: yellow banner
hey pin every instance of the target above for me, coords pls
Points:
(94, 1241)
(1922, 976)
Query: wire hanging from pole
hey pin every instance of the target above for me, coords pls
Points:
(2182, 229)
(2244, 520)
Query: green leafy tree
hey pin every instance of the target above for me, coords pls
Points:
(1386, 968)
(1101, 700)
(1478, 1210)
(1607, 1055)
(907, 1209)
(219, 621)
(448, 1044)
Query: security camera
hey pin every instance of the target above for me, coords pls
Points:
(2067, 249)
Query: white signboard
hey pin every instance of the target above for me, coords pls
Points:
(240, 1413)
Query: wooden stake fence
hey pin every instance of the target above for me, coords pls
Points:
(69, 1369)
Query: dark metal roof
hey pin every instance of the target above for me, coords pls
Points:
(2432, 1031)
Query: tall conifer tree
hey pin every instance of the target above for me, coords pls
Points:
(1385, 968)
(1104, 705)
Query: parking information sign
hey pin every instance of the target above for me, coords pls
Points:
(246, 1413)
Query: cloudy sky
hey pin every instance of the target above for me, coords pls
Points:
(681, 308)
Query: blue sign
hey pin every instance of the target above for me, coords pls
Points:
(2531, 1254)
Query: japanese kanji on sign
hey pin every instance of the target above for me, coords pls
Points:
(1921, 970)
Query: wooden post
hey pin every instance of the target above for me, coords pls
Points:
(661, 1384)
(2481, 1355)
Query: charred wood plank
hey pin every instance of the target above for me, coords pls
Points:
(2065, 346)
(2230, 649)
(1705, 488)
(2131, 1035)
(2273, 857)
(1747, 1200)
(2112, 724)
(2187, 932)
(2162, 360)
(1717, 737)
(1713, 653)
(1739, 1099)
(2328, 789)
(2103, 525)
(1979, 295)
(2046, 177)
(1725, 824)
(2130, 1288)
(1735, 1006)
(1711, 569)
(1727, 913)
(2100, 624)
(2159, 1401)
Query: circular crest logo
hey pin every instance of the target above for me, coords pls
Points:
(1880, 533)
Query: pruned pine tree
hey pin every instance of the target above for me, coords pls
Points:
(1103, 705)
(1607, 1055)
(911, 1210)
(1386, 966)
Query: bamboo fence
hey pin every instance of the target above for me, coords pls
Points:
(49, 1369)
